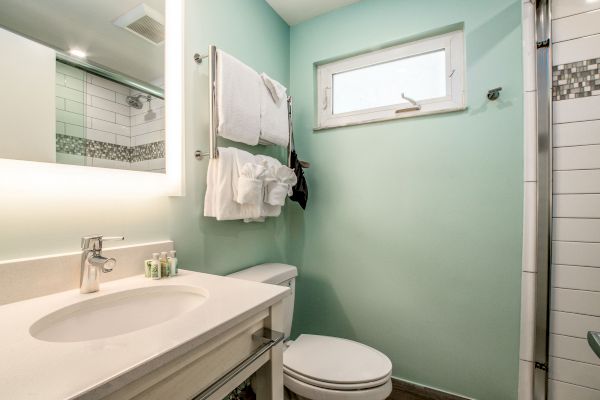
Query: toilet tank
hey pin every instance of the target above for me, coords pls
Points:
(275, 274)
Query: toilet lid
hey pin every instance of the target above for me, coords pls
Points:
(334, 360)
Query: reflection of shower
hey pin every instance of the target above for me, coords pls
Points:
(135, 102)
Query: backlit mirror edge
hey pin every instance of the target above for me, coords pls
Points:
(36, 178)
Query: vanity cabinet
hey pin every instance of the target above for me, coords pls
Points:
(188, 376)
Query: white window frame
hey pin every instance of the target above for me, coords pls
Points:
(455, 99)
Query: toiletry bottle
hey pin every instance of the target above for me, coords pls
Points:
(155, 270)
(164, 265)
(173, 262)
(147, 268)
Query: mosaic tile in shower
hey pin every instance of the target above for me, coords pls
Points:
(575, 80)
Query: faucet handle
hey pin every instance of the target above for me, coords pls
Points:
(94, 242)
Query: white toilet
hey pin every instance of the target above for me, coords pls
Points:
(323, 367)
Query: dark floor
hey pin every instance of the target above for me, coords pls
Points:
(408, 391)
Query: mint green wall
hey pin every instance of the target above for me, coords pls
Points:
(254, 33)
(412, 239)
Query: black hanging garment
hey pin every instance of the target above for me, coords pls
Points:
(300, 190)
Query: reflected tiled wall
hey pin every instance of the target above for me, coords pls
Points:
(96, 127)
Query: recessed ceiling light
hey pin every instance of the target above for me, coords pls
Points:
(78, 53)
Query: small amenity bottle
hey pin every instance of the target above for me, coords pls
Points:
(147, 268)
(172, 262)
(164, 265)
(155, 270)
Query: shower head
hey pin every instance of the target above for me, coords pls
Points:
(135, 102)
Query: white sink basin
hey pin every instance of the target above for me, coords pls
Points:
(117, 313)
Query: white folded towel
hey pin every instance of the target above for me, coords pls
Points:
(277, 90)
(279, 188)
(274, 120)
(239, 91)
(223, 181)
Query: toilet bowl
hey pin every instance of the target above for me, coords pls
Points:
(323, 367)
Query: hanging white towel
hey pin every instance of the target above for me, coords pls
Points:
(239, 91)
(274, 120)
(222, 190)
(250, 184)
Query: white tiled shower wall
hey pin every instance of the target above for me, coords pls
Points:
(91, 107)
(574, 370)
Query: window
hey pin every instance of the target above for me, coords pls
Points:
(417, 78)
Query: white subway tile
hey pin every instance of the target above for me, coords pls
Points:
(60, 103)
(140, 166)
(576, 133)
(95, 112)
(101, 136)
(74, 83)
(109, 105)
(70, 71)
(100, 92)
(110, 85)
(576, 229)
(558, 390)
(148, 127)
(527, 316)
(60, 79)
(576, 253)
(576, 50)
(75, 130)
(578, 157)
(122, 99)
(574, 277)
(577, 206)
(69, 94)
(564, 8)
(124, 140)
(575, 349)
(574, 372)
(574, 182)
(574, 110)
(110, 127)
(156, 164)
(148, 138)
(74, 106)
(60, 128)
(575, 301)
(576, 26)
(570, 324)
(122, 120)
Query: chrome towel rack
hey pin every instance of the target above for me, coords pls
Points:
(213, 151)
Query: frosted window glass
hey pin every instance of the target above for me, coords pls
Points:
(419, 77)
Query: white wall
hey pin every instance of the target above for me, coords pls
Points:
(27, 102)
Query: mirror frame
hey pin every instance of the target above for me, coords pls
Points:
(36, 178)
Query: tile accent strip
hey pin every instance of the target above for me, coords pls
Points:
(574, 80)
(91, 148)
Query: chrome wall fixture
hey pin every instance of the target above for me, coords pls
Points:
(544, 196)
(494, 94)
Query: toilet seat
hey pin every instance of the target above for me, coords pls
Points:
(335, 364)
(316, 393)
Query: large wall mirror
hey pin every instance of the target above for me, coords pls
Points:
(83, 83)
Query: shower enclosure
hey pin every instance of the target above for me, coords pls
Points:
(561, 247)
(104, 120)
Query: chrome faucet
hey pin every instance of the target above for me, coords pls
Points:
(92, 262)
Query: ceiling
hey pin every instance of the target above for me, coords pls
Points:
(296, 11)
(88, 25)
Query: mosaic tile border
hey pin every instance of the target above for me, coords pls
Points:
(109, 151)
(575, 80)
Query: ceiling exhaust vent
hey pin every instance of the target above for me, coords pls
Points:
(144, 22)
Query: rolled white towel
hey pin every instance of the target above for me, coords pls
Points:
(250, 184)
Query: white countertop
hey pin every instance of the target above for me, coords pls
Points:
(35, 369)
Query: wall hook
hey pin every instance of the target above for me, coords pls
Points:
(199, 58)
(494, 94)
